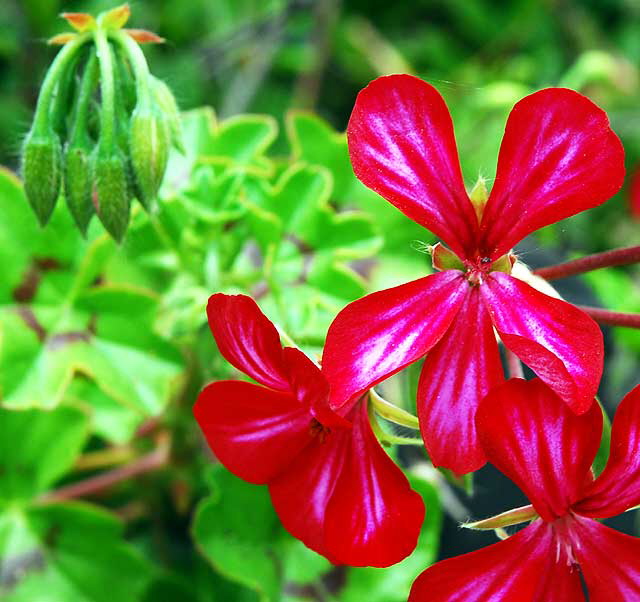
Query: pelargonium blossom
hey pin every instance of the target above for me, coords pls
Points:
(330, 481)
(558, 157)
(547, 450)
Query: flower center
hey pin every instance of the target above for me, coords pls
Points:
(477, 269)
(566, 540)
(316, 429)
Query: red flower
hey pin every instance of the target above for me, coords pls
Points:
(331, 483)
(548, 451)
(558, 157)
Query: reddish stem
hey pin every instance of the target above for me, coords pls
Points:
(607, 259)
(151, 461)
(612, 318)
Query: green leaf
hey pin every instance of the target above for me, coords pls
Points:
(236, 530)
(393, 584)
(71, 552)
(37, 448)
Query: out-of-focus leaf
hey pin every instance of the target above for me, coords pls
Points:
(71, 552)
(37, 448)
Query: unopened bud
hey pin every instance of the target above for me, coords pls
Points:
(149, 152)
(167, 103)
(41, 167)
(111, 195)
(478, 197)
(78, 178)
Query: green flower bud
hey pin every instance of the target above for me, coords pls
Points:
(111, 195)
(41, 167)
(78, 184)
(167, 103)
(149, 151)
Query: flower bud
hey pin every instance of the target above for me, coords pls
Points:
(149, 152)
(78, 185)
(167, 103)
(111, 195)
(41, 167)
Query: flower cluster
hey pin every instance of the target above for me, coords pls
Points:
(102, 163)
(304, 430)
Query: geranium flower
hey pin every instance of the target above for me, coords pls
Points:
(331, 483)
(558, 157)
(547, 451)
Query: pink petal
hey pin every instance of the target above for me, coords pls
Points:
(561, 343)
(457, 374)
(373, 517)
(558, 157)
(508, 571)
(380, 334)
(253, 431)
(247, 339)
(402, 146)
(300, 495)
(534, 439)
(618, 487)
(610, 562)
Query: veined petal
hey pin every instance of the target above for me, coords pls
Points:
(610, 562)
(402, 146)
(533, 438)
(506, 571)
(559, 342)
(373, 517)
(380, 334)
(247, 339)
(618, 487)
(558, 157)
(457, 374)
(300, 495)
(254, 431)
(310, 388)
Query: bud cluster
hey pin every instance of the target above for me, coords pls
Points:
(103, 125)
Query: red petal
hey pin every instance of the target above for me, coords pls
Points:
(380, 334)
(558, 157)
(610, 562)
(618, 487)
(402, 146)
(555, 339)
(373, 517)
(533, 438)
(79, 21)
(253, 431)
(508, 571)
(247, 339)
(311, 388)
(301, 494)
(457, 374)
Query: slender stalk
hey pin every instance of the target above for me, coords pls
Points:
(391, 412)
(147, 463)
(607, 259)
(107, 90)
(514, 365)
(612, 318)
(138, 64)
(64, 56)
(387, 438)
(504, 519)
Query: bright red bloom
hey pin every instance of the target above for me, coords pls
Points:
(558, 157)
(548, 451)
(331, 483)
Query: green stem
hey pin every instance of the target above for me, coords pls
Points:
(107, 89)
(388, 438)
(63, 58)
(87, 85)
(391, 412)
(138, 64)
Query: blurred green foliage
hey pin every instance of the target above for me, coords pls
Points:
(103, 348)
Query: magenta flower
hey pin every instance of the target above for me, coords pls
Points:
(331, 483)
(547, 450)
(558, 157)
